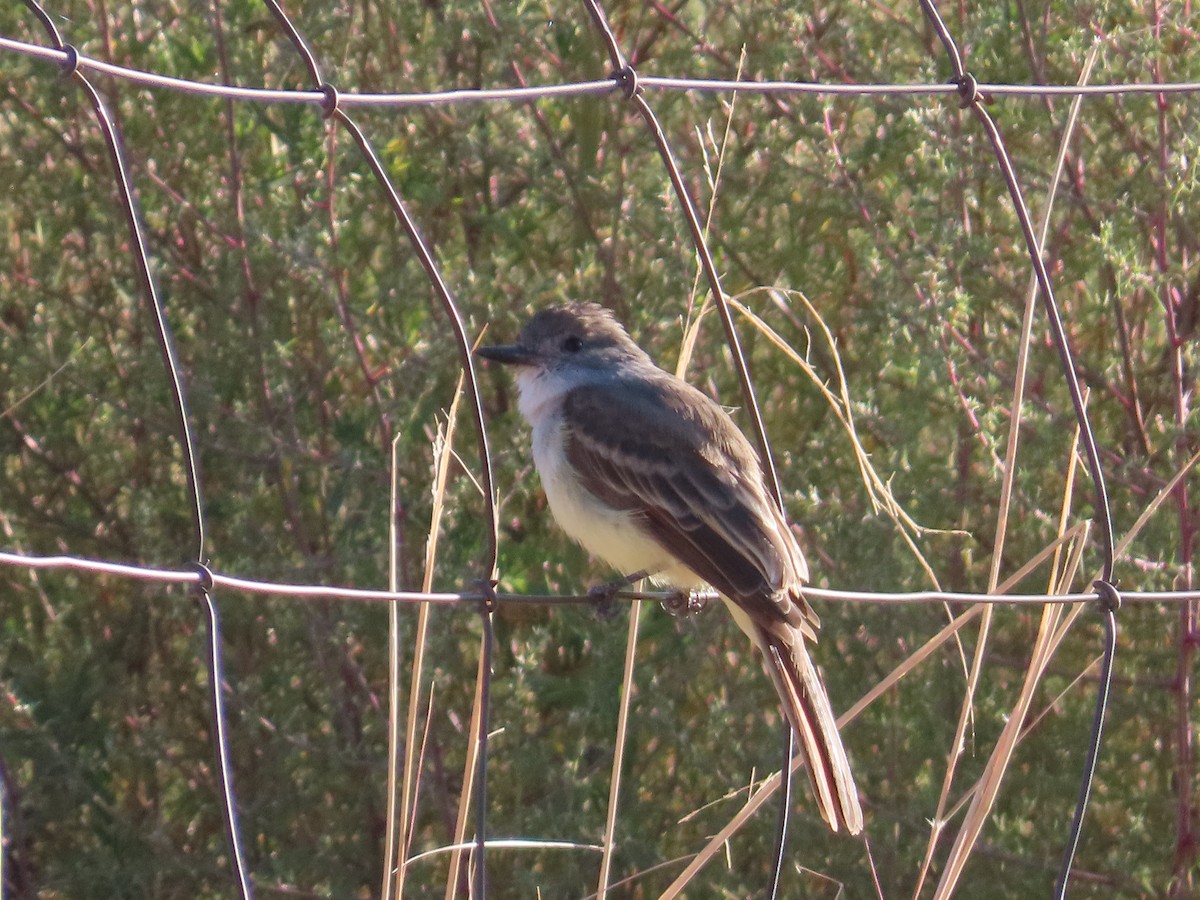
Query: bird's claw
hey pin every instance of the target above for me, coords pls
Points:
(683, 604)
(603, 596)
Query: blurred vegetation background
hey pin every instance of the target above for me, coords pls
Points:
(309, 338)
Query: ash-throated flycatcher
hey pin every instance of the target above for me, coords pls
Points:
(652, 476)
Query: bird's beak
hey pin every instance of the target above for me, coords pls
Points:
(510, 354)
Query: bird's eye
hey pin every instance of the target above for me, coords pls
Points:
(572, 344)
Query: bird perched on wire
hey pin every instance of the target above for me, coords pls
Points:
(652, 476)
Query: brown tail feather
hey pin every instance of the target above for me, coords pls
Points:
(807, 707)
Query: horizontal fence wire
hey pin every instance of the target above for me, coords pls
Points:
(591, 88)
(472, 598)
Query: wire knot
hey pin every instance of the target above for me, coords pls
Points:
(627, 79)
(1110, 598)
(968, 90)
(207, 579)
(487, 587)
(329, 105)
(70, 64)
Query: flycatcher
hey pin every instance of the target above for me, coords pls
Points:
(650, 475)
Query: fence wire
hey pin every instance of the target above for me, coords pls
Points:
(594, 88)
(626, 82)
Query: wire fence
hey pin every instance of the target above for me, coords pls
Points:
(625, 83)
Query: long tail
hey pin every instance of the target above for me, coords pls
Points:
(807, 707)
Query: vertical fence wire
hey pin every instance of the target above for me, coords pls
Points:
(785, 807)
(428, 262)
(141, 259)
(627, 78)
(972, 99)
(332, 110)
(1092, 756)
(216, 670)
(129, 209)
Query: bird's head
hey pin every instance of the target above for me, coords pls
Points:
(571, 337)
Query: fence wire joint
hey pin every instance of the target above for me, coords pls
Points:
(70, 64)
(207, 580)
(1110, 598)
(329, 105)
(627, 79)
(968, 90)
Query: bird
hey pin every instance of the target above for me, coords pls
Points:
(651, 475)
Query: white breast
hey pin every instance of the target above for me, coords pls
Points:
(606, 533)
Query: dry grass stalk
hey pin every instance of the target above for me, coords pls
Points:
(691, 329)
(400, 827)
(614, 784)
(394, 838)
(879, 491)
(1059, 633)
(997, 765)
(468, 780)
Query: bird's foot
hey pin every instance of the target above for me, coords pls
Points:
(603, 596)
(683, 604)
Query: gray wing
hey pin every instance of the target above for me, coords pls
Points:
(665, 451)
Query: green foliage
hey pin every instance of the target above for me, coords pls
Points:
(309, 338)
